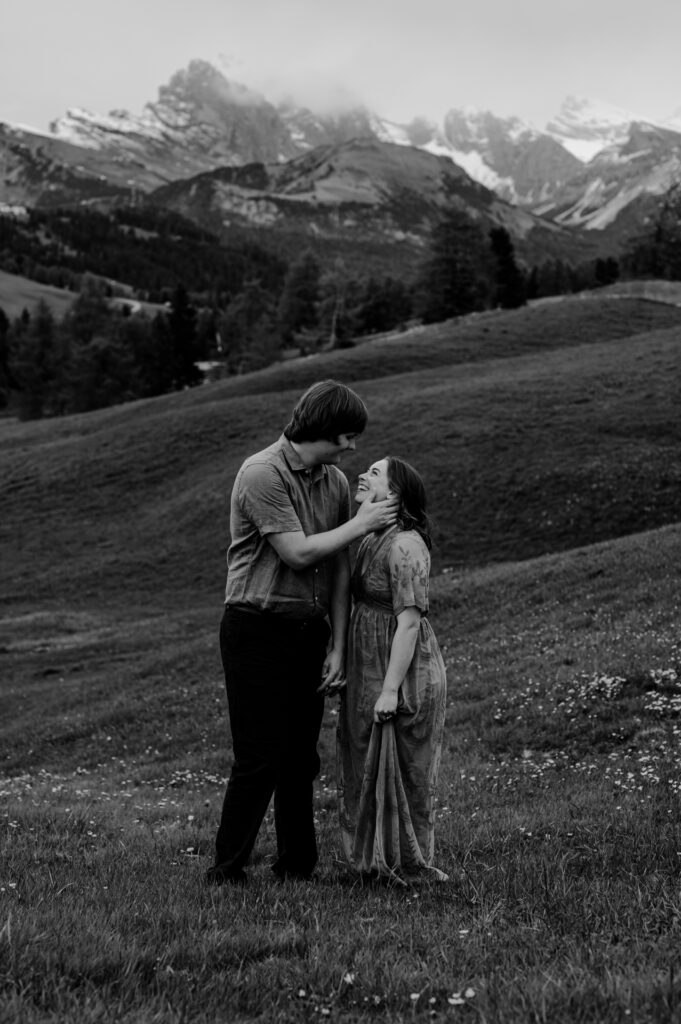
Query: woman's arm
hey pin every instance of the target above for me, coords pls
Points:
(401, 654)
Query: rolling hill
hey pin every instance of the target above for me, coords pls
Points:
(19, 293)
(549, 440)
(536, 431)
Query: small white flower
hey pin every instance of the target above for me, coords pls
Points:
(349, 978)
(469, 993)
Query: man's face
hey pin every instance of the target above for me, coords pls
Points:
(330, 452)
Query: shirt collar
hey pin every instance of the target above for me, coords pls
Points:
(296, 464)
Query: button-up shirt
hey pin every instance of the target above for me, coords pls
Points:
(275, 492)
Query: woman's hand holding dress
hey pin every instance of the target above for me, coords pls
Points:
(386, 706)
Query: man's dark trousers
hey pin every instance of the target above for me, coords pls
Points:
(272, 672)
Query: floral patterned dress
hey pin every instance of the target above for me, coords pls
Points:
(387, 773)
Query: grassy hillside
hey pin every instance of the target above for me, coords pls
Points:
(557, 818)
(18, 293)
(535, 431)
(538, 432)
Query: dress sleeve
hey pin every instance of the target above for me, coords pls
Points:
(409, 565)
(265, 500)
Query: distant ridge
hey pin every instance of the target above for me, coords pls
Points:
(593, 167)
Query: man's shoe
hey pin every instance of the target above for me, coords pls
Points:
(218, 876)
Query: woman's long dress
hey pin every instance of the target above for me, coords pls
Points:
(387, 773)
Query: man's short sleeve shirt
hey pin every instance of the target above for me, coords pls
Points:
(274, 492)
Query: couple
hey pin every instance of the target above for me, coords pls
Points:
(286, 634)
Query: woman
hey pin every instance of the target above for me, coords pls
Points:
(393, 710)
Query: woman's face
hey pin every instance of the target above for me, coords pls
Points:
(373, 485)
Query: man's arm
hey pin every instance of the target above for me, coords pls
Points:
(333, 671)
(299, 551)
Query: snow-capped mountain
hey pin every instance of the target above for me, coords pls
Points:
(200, 120)
(673, 122)
(520, 163)
(584, 127)
(590, 163)
(643, 164)
(595, 166)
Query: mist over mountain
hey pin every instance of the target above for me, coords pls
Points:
(593, 167)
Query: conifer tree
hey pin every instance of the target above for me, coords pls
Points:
(6, 379)
(33, 361)
(339, 297)
(385, 304)
(510, 282)
(300, 297)
(248, 330)
(457, 275)
(89, 314)
(606, 271)
(182, 338)
(658, 254)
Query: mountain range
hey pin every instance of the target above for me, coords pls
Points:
(222, 153)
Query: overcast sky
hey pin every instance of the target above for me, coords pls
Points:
(400, 57)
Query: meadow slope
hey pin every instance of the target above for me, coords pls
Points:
(20, 293)
(535, 431)
(551, 454)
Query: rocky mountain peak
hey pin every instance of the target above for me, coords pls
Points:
(201, 83)
(585, 126)
(587, 117)
(507, 154)
(469, 127)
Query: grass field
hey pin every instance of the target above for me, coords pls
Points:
(19, 293)
(543, 437)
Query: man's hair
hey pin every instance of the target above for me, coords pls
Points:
(326, 410)
(407, 484)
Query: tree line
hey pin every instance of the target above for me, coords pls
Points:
(150, 250)
(95, 355)
(240, 307)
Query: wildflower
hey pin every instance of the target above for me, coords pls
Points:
(456, 999)
(349, 978)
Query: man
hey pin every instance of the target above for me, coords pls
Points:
(287, 593)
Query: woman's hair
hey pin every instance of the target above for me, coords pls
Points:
(326, 410)
(408, 486)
